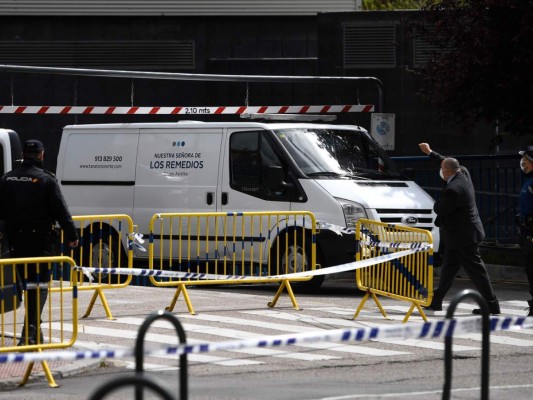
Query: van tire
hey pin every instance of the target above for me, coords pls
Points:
(104, 249)
(286, 262)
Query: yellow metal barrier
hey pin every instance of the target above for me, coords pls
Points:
(408, 278)
(45, 300)
(105, 241)
(232, 248)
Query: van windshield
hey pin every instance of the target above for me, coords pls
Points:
(337, 153)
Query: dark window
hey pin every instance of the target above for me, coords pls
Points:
(255, 167)
(245, 159)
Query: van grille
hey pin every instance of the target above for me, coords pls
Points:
(383, 184)
(394, 216)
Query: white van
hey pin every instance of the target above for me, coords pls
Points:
(339, 173)
(10, 150)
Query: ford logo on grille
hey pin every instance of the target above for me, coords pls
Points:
(410, 220)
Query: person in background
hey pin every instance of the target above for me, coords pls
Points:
(30, 204)
(461, 231)
(525, 218)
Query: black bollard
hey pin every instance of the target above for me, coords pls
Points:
(139, 351)
(485, 347)
(137, 381)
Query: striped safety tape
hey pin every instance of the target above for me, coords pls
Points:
(194, 275)
(370, 238)
(425, 330)
(113, 110)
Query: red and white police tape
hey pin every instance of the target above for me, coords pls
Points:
(196, 110)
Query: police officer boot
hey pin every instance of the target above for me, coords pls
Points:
(32, 336)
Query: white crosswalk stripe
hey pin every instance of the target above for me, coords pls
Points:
(237, 334)
(250, 324)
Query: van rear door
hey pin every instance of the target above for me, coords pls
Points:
(96, 169)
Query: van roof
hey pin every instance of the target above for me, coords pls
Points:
(196, 124)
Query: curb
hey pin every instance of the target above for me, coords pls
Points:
(11, 374)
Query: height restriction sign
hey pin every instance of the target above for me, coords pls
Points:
(382, 129)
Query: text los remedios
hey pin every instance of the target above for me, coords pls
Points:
(164, 161)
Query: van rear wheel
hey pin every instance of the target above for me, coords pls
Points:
(104, 253)
(295, 257)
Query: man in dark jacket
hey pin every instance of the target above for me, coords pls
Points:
(30, 204)
(525, 218)
(461, 231)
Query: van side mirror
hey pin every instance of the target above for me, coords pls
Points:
(273, 178)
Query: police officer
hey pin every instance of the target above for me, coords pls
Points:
(525, 218)
(30, 204)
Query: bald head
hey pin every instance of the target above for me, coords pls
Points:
(451, 163)
(449, 167)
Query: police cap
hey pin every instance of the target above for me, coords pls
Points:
(32, 146)
(528, 152)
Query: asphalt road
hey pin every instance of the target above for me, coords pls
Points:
(327, 371)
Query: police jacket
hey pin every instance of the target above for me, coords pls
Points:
(30, 198)
(526, 200)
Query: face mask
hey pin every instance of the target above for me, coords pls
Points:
(442, 175)
(523, 165)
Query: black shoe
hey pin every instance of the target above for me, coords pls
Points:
(434, 306)
(530, 310)
(494, 308)
(32, 337)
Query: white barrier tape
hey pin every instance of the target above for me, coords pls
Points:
(194, 275)
(368, 240)
(351, 266)
(424, 330)
(113, 110)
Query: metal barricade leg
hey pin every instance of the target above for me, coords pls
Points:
(98, 292)
(285, 284)
(420, 310)
(47, 372)
(181, 289)
(376, 300)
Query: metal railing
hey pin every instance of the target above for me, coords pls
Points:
(232, 248)
(407, 278)
(44, 321)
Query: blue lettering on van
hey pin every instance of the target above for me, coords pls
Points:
(178, 143)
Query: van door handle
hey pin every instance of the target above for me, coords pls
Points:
(209, 198)
(224, 198)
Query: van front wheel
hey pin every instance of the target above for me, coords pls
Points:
(295, 257)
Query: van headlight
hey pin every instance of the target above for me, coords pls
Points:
(352, 212)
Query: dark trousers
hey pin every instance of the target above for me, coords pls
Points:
(469, 258)
(36, 291)
(527, 251)
(32, 243)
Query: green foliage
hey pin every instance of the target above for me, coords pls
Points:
(483, 70)
(380, 5)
